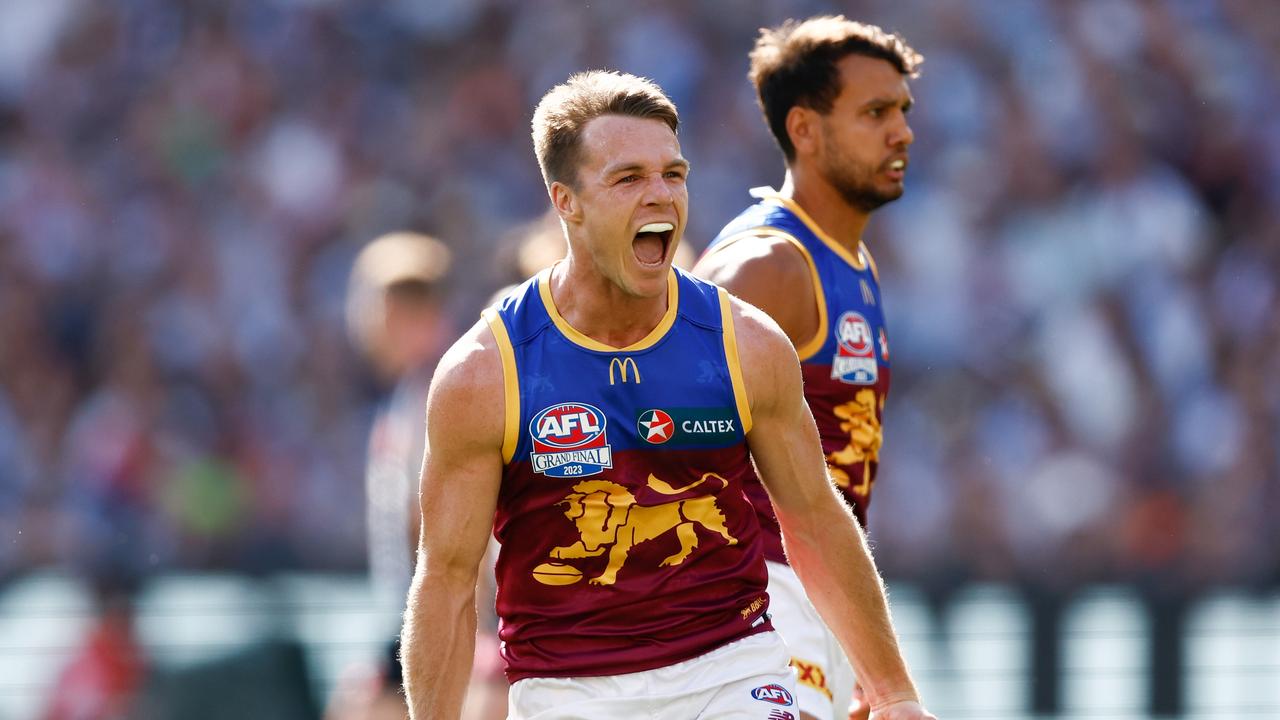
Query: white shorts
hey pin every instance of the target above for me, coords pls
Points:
(747, 679)
(824, 678)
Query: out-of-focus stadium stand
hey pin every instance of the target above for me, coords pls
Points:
(1081, 285)
(222, 643)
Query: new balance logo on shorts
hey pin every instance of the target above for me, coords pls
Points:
(780, 715)
(775, 694)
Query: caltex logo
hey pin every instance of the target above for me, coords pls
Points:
(655, 426)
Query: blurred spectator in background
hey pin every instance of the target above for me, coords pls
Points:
(1083, 278)
(396, 315)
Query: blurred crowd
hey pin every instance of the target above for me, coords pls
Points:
(1081, 280)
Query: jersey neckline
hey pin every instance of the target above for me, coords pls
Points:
(576, 337)
(768, 194)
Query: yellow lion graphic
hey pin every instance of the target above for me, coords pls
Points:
(865, 436)
(608, 519)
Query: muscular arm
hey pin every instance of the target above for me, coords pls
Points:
(823, 542)
(461, 472)
(770, 273)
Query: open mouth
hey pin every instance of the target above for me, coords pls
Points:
(652, 242)
(897, 168)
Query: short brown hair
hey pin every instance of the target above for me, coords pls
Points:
(795, 64)
(567, 108)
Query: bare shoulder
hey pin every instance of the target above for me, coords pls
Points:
(755, 262)
(769, 362)
(771, 272)
(759, 336)
(465, 404)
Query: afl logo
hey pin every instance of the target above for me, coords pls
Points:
(854, 335)
(855, 358)
(569, 441)
(567, 426)
(775, 694)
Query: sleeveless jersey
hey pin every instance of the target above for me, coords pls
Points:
(627, 540)
(845, 364)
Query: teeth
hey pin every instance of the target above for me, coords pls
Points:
(897, 165)
(658, 227)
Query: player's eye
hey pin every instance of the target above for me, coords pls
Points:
(628, 178)
(674, 175)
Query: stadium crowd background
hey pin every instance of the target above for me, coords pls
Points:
(1081, 280)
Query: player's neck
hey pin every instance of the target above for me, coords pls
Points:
(826, 207)
(595, 306)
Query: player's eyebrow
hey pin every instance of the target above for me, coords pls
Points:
(633, 167)
(879, 103)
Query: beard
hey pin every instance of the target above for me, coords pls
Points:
(856, 181)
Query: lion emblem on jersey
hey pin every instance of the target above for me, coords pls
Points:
(609, 521)
(858, 418)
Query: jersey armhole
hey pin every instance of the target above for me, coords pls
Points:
(510, 384)
(811, 346)
(731, 358)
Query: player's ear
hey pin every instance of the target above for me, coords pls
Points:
(802, 127)
(565, 201)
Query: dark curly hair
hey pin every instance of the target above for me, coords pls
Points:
(795, 64)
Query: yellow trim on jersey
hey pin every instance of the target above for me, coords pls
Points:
(735, 365)
(577, 338)
(857, 261)
(809, 348)
(871, 262)
(510, 383)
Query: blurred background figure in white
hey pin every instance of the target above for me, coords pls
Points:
(396, 314)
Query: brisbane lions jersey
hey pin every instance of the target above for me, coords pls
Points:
(627, 540)
(846, 362)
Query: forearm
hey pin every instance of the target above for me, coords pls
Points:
(829, 553)
(438, 645)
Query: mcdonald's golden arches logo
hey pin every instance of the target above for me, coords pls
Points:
(622, 364)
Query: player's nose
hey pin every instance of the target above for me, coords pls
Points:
(657, 191)
(901, 134)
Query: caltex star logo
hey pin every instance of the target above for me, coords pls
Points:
(655, 426)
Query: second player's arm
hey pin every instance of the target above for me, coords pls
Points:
(823, 541)
(461, 473)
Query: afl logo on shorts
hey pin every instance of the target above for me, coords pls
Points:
(569, 441)
(855, 358)
(775, 694)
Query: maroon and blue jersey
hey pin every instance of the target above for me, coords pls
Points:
(627, 540)
(846, 362)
